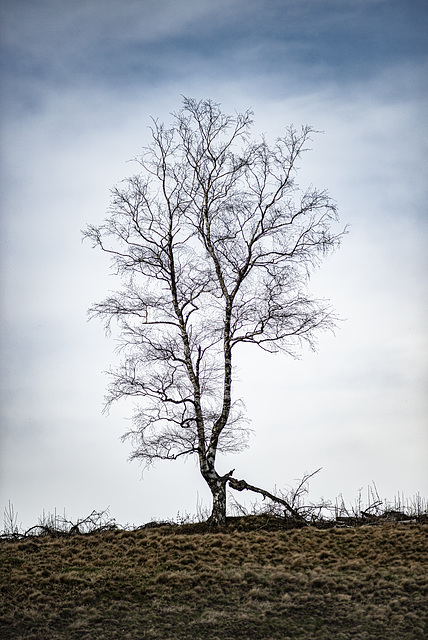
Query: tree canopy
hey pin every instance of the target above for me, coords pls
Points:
(214, 243)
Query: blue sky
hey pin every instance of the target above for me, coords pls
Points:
(79, 83)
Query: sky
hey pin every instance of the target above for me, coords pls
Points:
(79, 83)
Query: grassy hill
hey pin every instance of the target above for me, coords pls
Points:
(253, 579)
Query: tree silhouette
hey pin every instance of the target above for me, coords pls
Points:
(214, 243)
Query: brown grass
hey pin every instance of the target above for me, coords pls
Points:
(190, 582)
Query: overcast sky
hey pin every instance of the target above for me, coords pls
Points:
(79, 82)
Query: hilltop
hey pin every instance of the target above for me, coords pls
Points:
(249, 580)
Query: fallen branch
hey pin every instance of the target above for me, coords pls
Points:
(240, 485)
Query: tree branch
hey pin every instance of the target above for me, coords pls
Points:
(240, 485)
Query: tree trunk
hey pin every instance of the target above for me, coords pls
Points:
(218, 514)
(217, 485)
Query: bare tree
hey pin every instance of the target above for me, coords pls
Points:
(214, 243)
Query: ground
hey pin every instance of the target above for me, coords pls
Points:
(236, 583)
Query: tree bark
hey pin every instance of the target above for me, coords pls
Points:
(218, 513)
(217, 485)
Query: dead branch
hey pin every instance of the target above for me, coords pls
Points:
(240, 485)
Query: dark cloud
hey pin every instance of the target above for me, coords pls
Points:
(130, 43)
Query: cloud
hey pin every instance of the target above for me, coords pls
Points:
(296, 44)
(84, 83)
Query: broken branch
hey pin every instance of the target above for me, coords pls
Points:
(240, 485)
